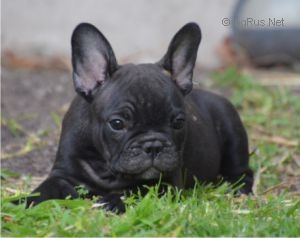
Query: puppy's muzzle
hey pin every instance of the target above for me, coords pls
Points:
(146, 154)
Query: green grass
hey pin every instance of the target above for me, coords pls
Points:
(270, 116)
(204, 211)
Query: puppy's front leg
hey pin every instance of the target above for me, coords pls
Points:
(111, 202)
(52, 188)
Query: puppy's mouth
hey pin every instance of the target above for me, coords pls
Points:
(138, 164)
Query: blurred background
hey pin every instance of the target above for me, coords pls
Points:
(257, 38)
(138, 30)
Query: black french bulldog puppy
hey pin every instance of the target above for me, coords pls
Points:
(131, 125)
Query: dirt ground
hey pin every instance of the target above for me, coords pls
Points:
(33, 102)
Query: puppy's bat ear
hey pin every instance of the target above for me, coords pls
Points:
(181, 56)
(93, 59)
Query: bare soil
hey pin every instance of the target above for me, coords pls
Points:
(35, 100)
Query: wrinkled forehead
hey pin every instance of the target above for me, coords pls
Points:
(144, 76)
(144, 86)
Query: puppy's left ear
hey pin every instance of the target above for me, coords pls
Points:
(181, 56)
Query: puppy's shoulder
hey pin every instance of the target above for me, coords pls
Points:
(213, 106)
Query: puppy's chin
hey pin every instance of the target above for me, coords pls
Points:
(151, 173)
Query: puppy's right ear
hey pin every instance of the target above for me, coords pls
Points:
(93, 60)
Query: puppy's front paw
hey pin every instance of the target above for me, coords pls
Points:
(111, 202)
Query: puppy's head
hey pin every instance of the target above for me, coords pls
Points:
(137, 111)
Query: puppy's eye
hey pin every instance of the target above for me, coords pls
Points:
(117, 124)
(178, 123)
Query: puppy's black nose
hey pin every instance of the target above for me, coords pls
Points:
(153, 148)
